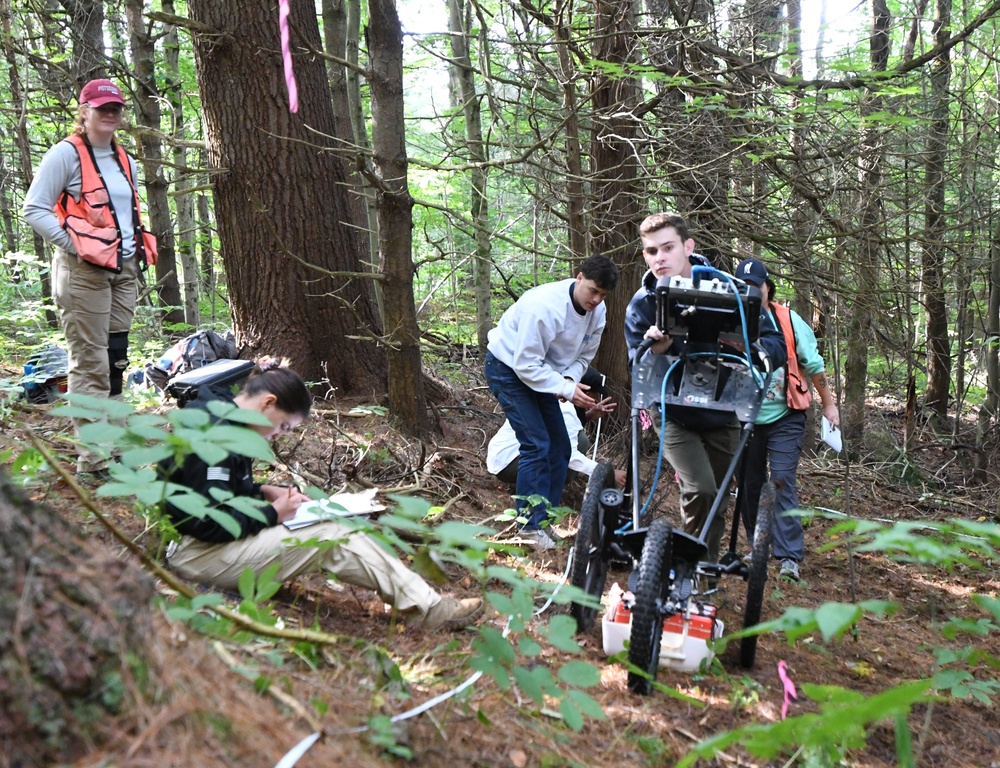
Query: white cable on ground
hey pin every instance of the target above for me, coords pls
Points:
(296, 752)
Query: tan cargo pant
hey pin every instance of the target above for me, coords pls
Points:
(93, 303)
(356, 559)
(701, 458)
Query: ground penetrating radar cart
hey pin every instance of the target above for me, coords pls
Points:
(705, 311)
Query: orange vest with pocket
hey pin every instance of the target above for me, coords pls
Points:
(91, 221)
(797, 392)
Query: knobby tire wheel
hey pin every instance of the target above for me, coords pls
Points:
(647, 621)
(757, 578)
(590, 569)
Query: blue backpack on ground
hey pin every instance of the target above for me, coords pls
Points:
(45, 375)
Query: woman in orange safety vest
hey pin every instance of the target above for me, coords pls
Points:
(84, 200)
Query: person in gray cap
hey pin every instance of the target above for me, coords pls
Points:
(780, 428)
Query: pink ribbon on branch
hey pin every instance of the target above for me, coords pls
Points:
(286, 57)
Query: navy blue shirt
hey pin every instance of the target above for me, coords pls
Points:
(641, 314)
(232, 474)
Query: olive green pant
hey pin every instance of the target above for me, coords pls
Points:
(701, 457)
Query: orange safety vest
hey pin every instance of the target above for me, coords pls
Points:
(797, 392)
(91, 221)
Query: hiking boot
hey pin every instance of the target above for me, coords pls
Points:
(789, 570)
(452, 612)
(538, 539)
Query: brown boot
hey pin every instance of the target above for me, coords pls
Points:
(451, 612)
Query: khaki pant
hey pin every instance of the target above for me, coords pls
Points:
(700, 458)
(93, 303)
(355, 559)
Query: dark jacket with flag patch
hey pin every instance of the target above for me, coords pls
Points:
(234, 474)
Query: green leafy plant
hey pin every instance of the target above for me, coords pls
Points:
(844, 716)
(553, 514)
(657, 752)
(511, 657)
(384, 733)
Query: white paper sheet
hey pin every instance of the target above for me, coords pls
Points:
(831, 435)
(338, 505)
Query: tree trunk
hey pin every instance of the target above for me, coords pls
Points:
(460, 26)
(935, 225)
(24, 154)
(291, 254)
(147, 102)
(339, 23)
(986, 419)
(360, 133)
(698, 146)
(183, 179)
(86, 30)
(616, 190)
(859, 324)
(206, 249)
(395, 217)
(576, 219)
(801, 216)
(6, 211)
(76, 622)
(335, 40)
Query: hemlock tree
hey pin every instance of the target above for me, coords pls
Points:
(288, 240)
(935, 220)
(147, 97)
(467, 100)
(395, 216)
(870, 247)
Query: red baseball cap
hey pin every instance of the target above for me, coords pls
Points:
(97, 93)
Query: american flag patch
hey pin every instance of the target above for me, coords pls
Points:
(218, 473)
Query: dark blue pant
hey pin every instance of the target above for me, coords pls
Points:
(779, 444)
(543, 458)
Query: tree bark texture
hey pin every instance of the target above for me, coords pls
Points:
(183, 180)
(86, 30)
(360, 132)
(395, 217)
(872, 220)
(697, 160)
(576, 218)
(147, 114)
(935, 225)
(617, 191)
(206, 250)
(987, 418)
(460, 26)
(17, 102)
(338, 26)
(282, 206)
(75, 622)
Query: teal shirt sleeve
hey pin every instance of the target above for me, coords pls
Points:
(775, 406)
(806, 347)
